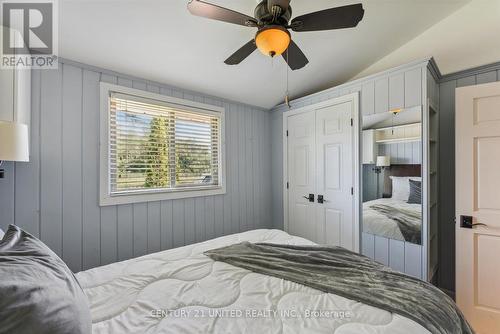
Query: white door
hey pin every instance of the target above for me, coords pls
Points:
(321, 149)
(478, 196)
(301, 175)
(335, 175)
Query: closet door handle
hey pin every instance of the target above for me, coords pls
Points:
(321, 199)
(468, 222)
(310, 198)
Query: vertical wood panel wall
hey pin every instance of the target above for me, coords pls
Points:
(55, 195)
(277, 168)
(447, 164)
(402, 153)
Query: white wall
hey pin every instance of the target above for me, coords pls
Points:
(467, 38)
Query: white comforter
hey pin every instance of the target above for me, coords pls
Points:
(183, 291)
(377, 223)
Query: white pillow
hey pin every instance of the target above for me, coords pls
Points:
(401, 186)
(1, 234)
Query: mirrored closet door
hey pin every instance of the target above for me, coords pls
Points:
(392, 207)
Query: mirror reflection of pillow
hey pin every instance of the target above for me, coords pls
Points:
(401, 186)
(415, 192)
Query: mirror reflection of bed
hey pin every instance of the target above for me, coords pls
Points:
(396, 214)
(392, 189)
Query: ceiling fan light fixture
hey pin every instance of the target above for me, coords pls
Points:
(273, 40)
(273, 18)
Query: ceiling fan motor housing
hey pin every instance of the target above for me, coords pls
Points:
(266, 15)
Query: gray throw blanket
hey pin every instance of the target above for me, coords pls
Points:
(353, 276)
(409, 222)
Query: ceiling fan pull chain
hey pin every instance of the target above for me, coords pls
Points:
(392, 130)
(287, 97)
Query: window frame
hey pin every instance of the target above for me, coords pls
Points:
(105, 196)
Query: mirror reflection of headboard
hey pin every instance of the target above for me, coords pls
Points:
(399, 170)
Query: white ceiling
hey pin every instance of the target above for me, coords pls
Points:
(159, 40)
(466, 39)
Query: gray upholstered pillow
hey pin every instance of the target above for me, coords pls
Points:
(1, 234)
(38, 292)
(415, 192)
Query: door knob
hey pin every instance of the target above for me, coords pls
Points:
(468, 222)
(310, 198)
(321, 199)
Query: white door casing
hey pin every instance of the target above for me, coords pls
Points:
(478, 195)
(321, 155)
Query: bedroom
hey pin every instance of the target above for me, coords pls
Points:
(132, 153)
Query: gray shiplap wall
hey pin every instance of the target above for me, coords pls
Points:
(369, 179)
(402, 153)
(447, 86)
(277, 168)
(55, 195)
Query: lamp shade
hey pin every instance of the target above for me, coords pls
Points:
(13, 142)
(272, 41)
(383, 161)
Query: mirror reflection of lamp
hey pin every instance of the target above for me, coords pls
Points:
(13, 143)
(383, 161)
(394, 114)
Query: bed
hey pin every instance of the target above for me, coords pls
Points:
(183, 291)
(377, 223)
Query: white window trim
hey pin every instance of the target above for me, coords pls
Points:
(105, 197)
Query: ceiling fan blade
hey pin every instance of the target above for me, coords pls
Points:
(243, 52)
(328, 19)
(296, 58)
(214, 12)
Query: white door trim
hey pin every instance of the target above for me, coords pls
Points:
(354, 98)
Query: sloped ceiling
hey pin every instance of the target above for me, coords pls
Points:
(468, 38)
(159, 40)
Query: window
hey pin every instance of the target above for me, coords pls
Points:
(155, 147)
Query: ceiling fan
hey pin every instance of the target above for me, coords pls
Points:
(272, 21)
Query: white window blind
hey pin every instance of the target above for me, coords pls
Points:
(158, 147)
